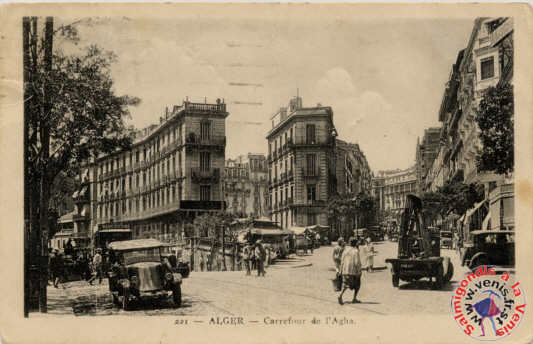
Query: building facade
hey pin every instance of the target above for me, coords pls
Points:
(486, 61)
(246, 186)
(172, 172)
(301, 164)
(353, 174)
(392, 187)
(426, 152)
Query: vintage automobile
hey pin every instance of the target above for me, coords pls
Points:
(446, 239)
(140, 269)
(376, 233)
(489, 247)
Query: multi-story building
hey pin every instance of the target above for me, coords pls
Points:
(392, 187)
(486, 61)
(246, 186)
(426, 152)
(301, 164)
(352, 170)
(171, 173)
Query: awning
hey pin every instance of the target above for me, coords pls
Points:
(298, 230)
(112, 230)
(260, 231)
(486, 223)
(63, 234)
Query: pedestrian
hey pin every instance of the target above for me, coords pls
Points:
(311, 241)
(209, 261)
(202, 261)
(351, 270)
(369, 255)
(337, 255)
(246, 256)
(260, 258)
(59, 270)
(97, 267)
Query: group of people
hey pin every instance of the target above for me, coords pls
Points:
(349, 266)
(83, 265)
(254, 256)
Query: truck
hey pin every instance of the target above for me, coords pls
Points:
(418, 250)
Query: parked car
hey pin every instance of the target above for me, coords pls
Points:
(494, 247)
(376, 233)
(140, 269)
(446, 239)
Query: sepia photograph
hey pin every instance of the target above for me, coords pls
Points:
(259, 171)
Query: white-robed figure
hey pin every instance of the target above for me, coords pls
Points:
(368, 255)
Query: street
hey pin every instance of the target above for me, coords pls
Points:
(302, 286)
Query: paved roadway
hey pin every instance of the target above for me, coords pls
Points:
(286, 289)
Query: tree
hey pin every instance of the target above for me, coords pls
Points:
(71, 114)
(456, 197)
(495, 118)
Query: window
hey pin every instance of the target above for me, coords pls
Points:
(311, 164)
(311, 219)
(310, 131)
(205, 193)
(179, 192)
(487, 68)
(311, 192)
(205, 130)
(205, 161)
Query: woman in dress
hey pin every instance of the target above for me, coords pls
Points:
(351, 270)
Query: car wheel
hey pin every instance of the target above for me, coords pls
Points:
(395, 281)
(176, 295)
(439, 278)
(115, 299)
(478, 262)
(449, 273)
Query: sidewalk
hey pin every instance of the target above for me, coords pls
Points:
(293, 261)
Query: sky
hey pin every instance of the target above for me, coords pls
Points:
(384, 79)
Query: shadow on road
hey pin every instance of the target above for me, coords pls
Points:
(425, 284)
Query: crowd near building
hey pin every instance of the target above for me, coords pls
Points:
(246, 186)
(307, 165)
(486, 61)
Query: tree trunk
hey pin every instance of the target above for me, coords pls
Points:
(27, 218)
(46, 173)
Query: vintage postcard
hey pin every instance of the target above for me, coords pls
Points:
(295, 173)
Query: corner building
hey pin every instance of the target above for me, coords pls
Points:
(171, 174)
(301, 164)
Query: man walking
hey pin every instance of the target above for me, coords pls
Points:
(246, 257)
(351, 270)
(337, 255)
(97, 268)
(260, 258)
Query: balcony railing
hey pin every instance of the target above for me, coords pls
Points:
(310, 173)
(303, 141)
(211, 175)
(206, 141)
(200, 107)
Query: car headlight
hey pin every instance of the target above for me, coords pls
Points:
(168, 276)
